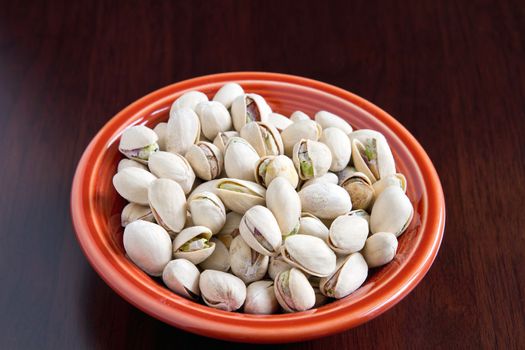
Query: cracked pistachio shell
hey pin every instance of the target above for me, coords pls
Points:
(263, 137)
(371, 154)
(207, 186)
(271, 167)
(325, 200)
(249, 108)
(240, 195)
(161, 131)
(193, 244)
(398, 180)
(380, 249)
(350, 274)
(303, 129)
(182, 277)
(392, 212)
(311, 159)
(168, 204)
(172, 166)
(222, 138)
(279, 121)
(328, 120)
(138, 142)
(277, 265)
(227, 93)
(348, 234)
(189, 100)
(310, 254)
(260, 298)
(293, 291)
(214, 118)
(259, 229)
(340, 148)
(239, 159)
(310, 225)
(207, 210)
(298, 116)
(360, 189)
(246, 263)
(205, 159)
(230, 230)
(183, 130)
(220, 258)
(133, 212)
(148, 245)
(328, 177)
(130, 163)
(132, 184)
(360, 213)
(285, 204)
(222, 290)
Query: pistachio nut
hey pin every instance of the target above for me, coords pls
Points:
(270, 167)
(240, 195)
(207, 210)
(348, 234)
(303, 129)
(328, 177)
(325, 200)
(246, 263)
(263, 137)
(350, 274)
(148, 245)
(130, 163)
(279, 121)
(239, 159)
(398, 180)
(222, 290)
(249, 108)
(172, 166)
(222, 138)
(260, 298)
(298, 116)
(161, 131)
(138, 143)
(359, 187)
(182, 277)
(168, 204)
(193, 244)
(380, 249)
(310, 225)
(132, 184)
(183, 130)
(260, 230)
(339, 144)
(214, 118)
(205, 159)
(371, 154)
(392, 212)
(230, 230)
(293, 291)
(311, 159)
(189, 100)
(133, 212)
(310, 254)
(285, 205)
(328, 120)
(220, 258)
(227, 93)
(277, 265)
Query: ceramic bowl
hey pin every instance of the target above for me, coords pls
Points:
(96, 207)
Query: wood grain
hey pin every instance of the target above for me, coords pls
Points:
(452, 72)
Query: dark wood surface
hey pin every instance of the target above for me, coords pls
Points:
(452, 72)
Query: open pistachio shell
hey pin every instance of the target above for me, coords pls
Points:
(222, 138)
(350, 274)
(260, 230)
(303, 129)
(293, 291)
(260, 298)
(239, 159)
(182, 277)
(240, 195)
(360, 213)
(207, 186)
(360, 189)
(132, 183)
(161, 129)
(277, 265)
(222, 290)
(348, 234)
(270, 167)
(340, 148)
(206, 160)
(311, 159)
(310, 254)
(310, 225)
(189, 100)
(246, 263)
(380, 249)
(325, 200)
(130, 163)
(168, 204)
(214, 118)
(133, 212)
(207, 210)
(285, 204)
(398, 180)
(328, 120)
(220, 258)
(298, 116)
(138, 142)
(172, 166)
(263, 137)
(392, 212)
(227, 93)
(371, 154)
(249, 108)
(193, 244)
(279, 121)
(183, 130)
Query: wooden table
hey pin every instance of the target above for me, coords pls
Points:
(452, 72)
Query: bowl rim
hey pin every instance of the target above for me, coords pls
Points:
(340, 319)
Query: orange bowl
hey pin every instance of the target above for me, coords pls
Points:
(96, 207)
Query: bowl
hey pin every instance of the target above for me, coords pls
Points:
(96, 207)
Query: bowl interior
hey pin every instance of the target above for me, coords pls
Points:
(97, 218)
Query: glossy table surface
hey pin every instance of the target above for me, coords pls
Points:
(452, 72)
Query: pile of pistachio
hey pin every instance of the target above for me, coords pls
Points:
(240, 207)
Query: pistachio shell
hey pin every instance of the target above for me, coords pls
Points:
(284, 203)
(360, 189)
(230, 230)
(293, 291)
(220, 258)
(193, 243)
(279, 121)
(174, 167)
(350, 274)
(227, 93)
(263, 137)
(260, 230)
(327, 120)
(130, 163)
(222, 290)
(348, 234)
(340, 148)
(132, 184)
(239, 159)
(311, 159)
(398, 180)
(298, 116)
(270, 167)
(246, 263)
(310, 254)
(182, 277)
(310, 225)
(277, 265)
(168, 204)
(206, 160)
(161, 129)
(189, 100)
(133, 212)
(138, 142)
(207, 210)
(303, 129)
(240, 195)
(249, 108)
(222, 138)
(214, 118)
(148, 245)
(392, 212)
(371, 154)
(380, 249)
(207, 186)
(325, 200)
(260, 298)
(328, 177)
(361, 213)
(183, 130)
